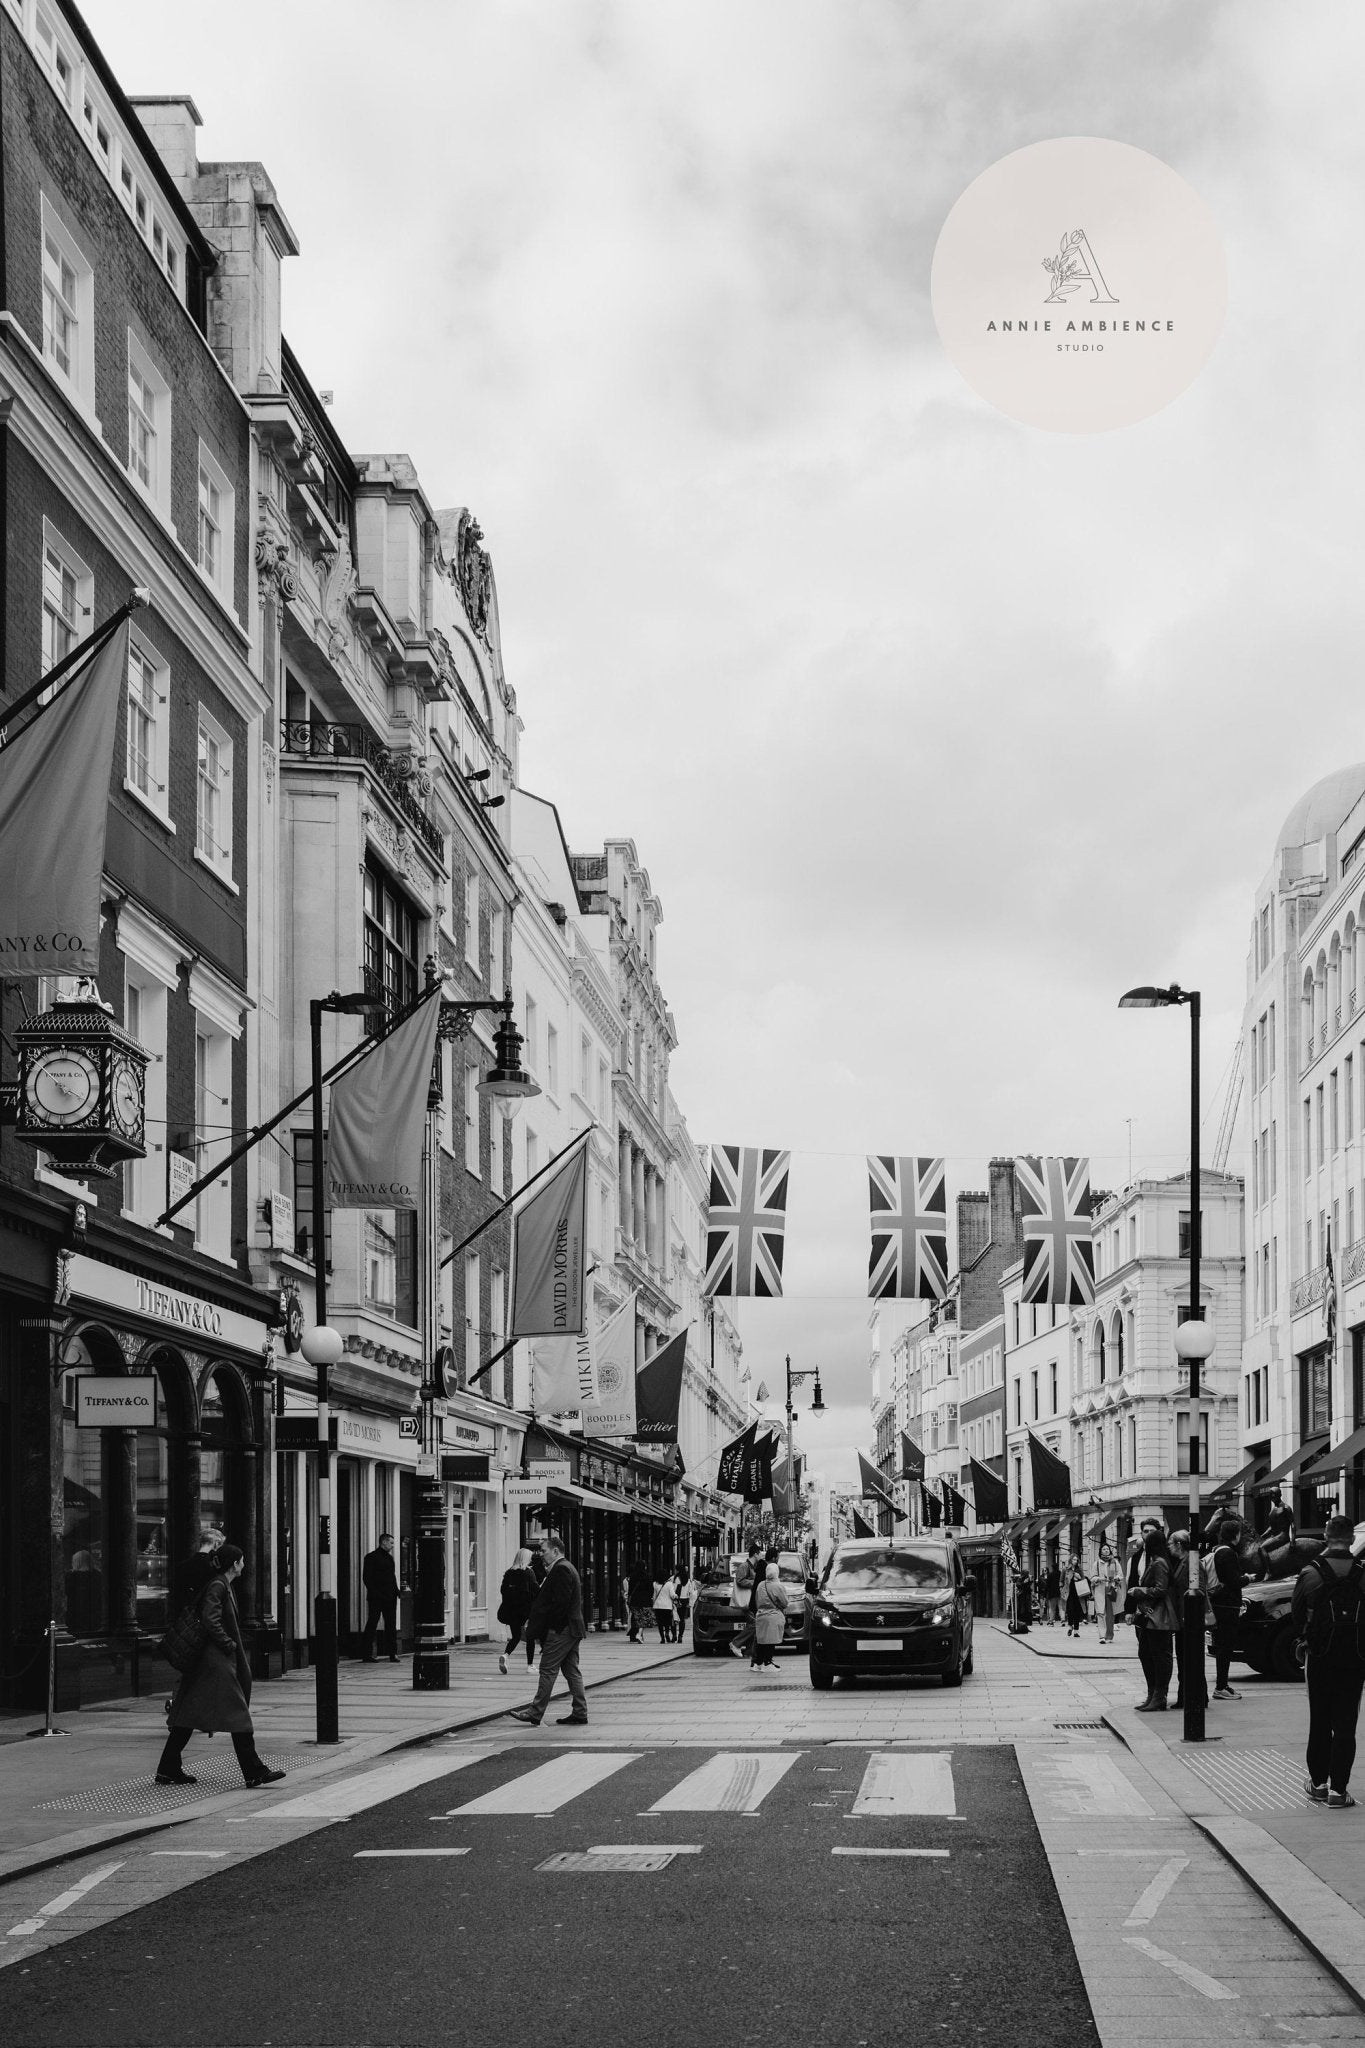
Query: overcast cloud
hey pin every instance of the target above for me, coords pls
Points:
(934, 731)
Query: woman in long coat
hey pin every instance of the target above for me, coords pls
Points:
(770, 1617)
(1156, 1617)
(517, 1597)
(212, 1696)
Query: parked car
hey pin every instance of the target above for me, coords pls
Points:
(1265, 1634)
(716, 1620)
(792, 1572)
(893, 1606)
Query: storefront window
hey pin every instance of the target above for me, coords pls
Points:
(153, 1533)
(478, 1547)
(212, 1460)
(83, 1524)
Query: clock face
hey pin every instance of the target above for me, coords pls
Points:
(63, 1087)
(126, 1096)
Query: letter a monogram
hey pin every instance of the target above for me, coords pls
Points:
(1074, 267)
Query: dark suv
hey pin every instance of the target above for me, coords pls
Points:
(901, 1607)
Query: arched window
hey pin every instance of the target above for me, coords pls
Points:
(1118, 1347)
(224, 1471)
(1099, 1353)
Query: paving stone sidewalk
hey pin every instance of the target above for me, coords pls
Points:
(63, 1794)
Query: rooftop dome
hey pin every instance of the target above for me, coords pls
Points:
(1323, 807)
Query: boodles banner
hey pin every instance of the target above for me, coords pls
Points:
(747, 1221)
(549, 1252)
(612, 1413)
(374, 1143)
(54, 784)
(909, 1256)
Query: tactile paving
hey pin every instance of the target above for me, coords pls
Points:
(144, 1795)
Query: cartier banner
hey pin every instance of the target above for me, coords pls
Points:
(54, 801)
(374, 1146)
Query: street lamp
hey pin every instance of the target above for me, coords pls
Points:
(322, 1347)
(1193, 1342)
(817, 1407)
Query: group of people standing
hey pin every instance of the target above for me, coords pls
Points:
(666, 1601)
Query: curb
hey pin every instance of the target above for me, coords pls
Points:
(60, 1849)
(1275, 1874)
(1050, 1656)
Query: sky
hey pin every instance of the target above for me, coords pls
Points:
(934, 731)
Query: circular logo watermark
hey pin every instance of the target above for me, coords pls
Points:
(1079, 285)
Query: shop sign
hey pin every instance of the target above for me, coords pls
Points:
(410, 1428)
(280, 1217)
(464, 1467)
(115, 1403)
(525, 1493)
(555, 1471)
(186, 1314)
(467, 1436)
(300, 1432)
(370, 1436)
(179, 1177)
(427, 1465)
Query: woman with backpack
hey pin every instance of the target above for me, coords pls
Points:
(1329, 1608)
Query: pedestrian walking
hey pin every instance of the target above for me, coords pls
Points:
(770, 1616)
(665, 1599)
(640, 1595)
(1110, 1578)
(687, 1593)
(214, 1695)
(379, 1577)
(516, 1597)
(196, 1571)
(556, 1623)
(1052, 1595)
(1223, 1577)
(1329, 1608)
(1180, 1586)
(743, 1594)
(1077, 1593)
(1155, 1614)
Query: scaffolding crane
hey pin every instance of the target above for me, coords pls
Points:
(1232, 1101)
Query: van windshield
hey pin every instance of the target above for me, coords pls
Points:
(897, 1570)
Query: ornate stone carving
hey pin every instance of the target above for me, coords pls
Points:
(473, 572)
(63, 1291)
(338, 585)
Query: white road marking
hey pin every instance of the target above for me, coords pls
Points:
(64, 1899)
(732, 1781)
(1146, 1907)
(1093, 1786)
(551, 1785)
(371, 1788)
(361, 1854)
(906, 1782)
(189, 1852)
(647, 1849)
(888, 1852)
(1209, 1986)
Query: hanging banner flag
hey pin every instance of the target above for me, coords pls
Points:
(612, 1413)
(746, 1221)
(786, 1492)
(1329, 1296)
(549, 1252)
(54, 806)
(564, 1372)
(912, 1458)
(990, 1495)
(1051, 1476)
(931, 1507)
(757, 1477)
(909, 1228)
(862, 1527)
(658, 1391)
(954, 1506)
(874, 1487)
(378, 1115)
(1054, 1210)
(730, 1470)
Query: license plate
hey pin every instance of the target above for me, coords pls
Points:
(879, 1643)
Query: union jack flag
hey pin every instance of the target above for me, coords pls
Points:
(909, 1228)
(1054, 1208)
(746, 1220)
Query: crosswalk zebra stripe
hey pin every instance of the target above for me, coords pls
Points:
(551, 1785)
(371, 1788)
(906, 1782)
(731, 1781)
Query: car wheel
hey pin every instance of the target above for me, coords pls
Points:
(700, 1649)
(821, 1679)
(967, 1667)
(954, 1677)
(1283, 1662)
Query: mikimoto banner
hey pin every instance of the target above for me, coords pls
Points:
(613, 1412)
(374, 1144)
(564, 1372)
(54, 791)
(549, 1252)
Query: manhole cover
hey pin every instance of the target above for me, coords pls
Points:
(144, 1795)
(613, 1859)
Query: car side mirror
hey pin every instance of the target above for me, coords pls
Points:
(812, 1584)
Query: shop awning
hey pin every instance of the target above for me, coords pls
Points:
(1289, 1464)
(1340, 1458)
(1242, 1478)
(589, 1498)
(1101, 1522)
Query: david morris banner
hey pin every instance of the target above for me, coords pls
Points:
(549, 1254)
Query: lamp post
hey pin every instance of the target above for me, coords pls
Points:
(817, 1408)
(1194, 1342)
(321, 1349)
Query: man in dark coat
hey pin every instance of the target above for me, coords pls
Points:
(640, 1591)
(556, 1623)
(380, 1580)
(1335, 1669)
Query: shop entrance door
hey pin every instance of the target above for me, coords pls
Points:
(454, 1569)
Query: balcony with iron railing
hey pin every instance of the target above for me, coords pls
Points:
(350, 744)
(1307, 1291)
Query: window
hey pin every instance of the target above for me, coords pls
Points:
(1274, 1150)
(68, 309)
(497, 1320)
(496, 1174)
(1182, 1441)
(471, 1117)
(1321, 1124)
(1274, 1273)
(212, 1136)
(1052, 1378)
(213, 814)
(1033, 1393)
(68, 598)
(1255, 1173)
(551, 1060)
(1183, 1251)
(216, 511)
(471, 1315)
(1335, 1117)
(1350, 1216)
(1348, 1107)
(148, 698)
(1307, 1244)
(144, 1017)
(532, 1154)
(149, 427)
(381, 1259)
(603, 1088)
(1016, 1325)
(531, 1051)
(471, 919)
(495, 961)
(56, 58)
(1272, 1038)
(390, 941)
(584, 1065)
(1307, 1138)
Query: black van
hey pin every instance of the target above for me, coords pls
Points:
(898, 1605)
